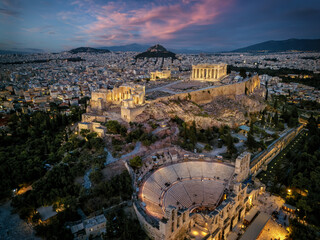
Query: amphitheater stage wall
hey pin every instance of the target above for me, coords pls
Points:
(206, 95)
(151, 231)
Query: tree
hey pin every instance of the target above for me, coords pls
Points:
(230, 146)
(116, 128)
(243, 73)
(300, 231)
(276, 119)
(84, 101)
(312, 125)
(267, 92)
(263, 119)
(275, 104)
(136, 162)
(84, 132)
(207, 147)
(96, 176)
(251, 142)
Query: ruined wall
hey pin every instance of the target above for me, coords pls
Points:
(87, 117)
(207, 95)
(129, 114)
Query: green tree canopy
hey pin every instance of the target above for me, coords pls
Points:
(136, 162)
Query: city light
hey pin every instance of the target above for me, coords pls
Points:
(87, 126)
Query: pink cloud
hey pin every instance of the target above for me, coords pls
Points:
(152, 22)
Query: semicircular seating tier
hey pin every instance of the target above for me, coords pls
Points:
(185, 185)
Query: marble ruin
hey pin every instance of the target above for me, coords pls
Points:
(130, 98)
(208, 72)
(93, 127)
(104, 98)
(165, 74)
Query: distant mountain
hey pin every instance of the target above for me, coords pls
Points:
(157, 51)
(284, 45)
(88, 50)
(21, 51)
(12, 52)
(134, 47)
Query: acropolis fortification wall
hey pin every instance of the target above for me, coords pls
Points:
(204, 96)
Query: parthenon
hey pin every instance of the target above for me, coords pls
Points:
(208, 72)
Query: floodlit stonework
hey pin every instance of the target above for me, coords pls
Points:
(93, 127)
(104, 98)
(130, 98)
(160, 75)
(129, 110)
(194, 198)
(208, 72)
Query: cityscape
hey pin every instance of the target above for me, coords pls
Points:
(146, 120)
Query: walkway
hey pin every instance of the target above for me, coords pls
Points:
(133, 152)
(86, 178)
(162, 88)
(12, 227)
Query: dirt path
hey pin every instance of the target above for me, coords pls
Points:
(12, 227)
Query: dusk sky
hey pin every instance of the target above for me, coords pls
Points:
(58, 25)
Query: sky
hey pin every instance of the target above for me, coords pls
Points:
(216, 25)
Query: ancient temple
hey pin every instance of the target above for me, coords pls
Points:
(208, 72)
(160, 75)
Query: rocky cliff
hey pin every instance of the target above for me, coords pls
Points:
(230, 110)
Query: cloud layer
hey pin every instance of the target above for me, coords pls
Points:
(150, 22)
(216, 25)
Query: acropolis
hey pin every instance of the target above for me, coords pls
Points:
(208, 72)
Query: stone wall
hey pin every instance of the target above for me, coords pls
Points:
(152, 232)
(87, 117)
(265, 157)
(129, 114)
(94, 127)
(242, 166)
(204, 96)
